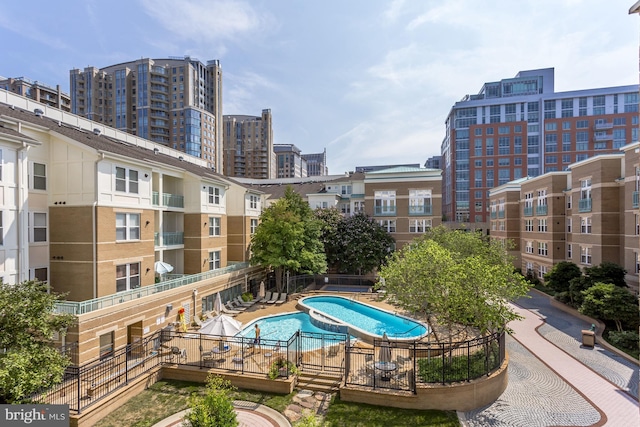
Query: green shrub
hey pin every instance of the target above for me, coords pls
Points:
(247, 296)
(280, 367)
(215, 408)
(628, 340)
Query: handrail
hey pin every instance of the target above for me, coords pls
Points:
(82, 307)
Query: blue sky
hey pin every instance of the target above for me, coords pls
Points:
(371, 81)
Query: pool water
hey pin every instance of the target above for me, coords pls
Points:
(281, 327)
(366, 318)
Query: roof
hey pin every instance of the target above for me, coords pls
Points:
(401, 169)
(107, 144)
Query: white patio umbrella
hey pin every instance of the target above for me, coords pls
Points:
(385, 350)
(221, 325)
(162, 267)
(217, 304)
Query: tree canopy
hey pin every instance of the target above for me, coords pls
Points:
(288, 238)
(29, 361)
(456, 276)
(357, 244)
(559, 277)
(606, 301)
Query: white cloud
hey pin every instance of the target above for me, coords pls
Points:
(207, 21)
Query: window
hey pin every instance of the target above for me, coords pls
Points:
(585, 225)
(358, 206)
(253, 201)
(542, 248)
(388, 224)
(214, 226)
(542, 270)
(39, 227)
(528, 225)
(569, 251)
(419, 225)
(542, 225)
(569, 201)
(0, 165)
(345, 208)
(127, 226)
(585, 255)
(39, 176)
(106, 345)
(385, 202)
(126, 180)
(529, 247)
(637, 224)
(345, 189)
(568, 225)
(254, 225)
(127, 276)
(39, 274)
(214, 260)
(1, 230)
(637, 263)
(420, 202)
(214, 195)
(582, 124)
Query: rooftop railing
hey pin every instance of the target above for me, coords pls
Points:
(175, 281)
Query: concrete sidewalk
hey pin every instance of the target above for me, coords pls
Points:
(553, 380)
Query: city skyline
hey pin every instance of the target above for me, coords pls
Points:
(355, 79)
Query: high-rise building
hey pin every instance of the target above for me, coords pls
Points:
(521, 127)
(316, 163)
(433, 162)
(290, 163)
(248, 146)
(176, 102)
(37, 91)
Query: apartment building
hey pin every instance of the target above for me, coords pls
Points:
(586, 215)
(289, 161)
(519, 127)
(316, 163)
(175, 102)
(53, 97)
(248, 146)
(406, 201)
(90, 210)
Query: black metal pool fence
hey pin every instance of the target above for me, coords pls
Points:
(384, 365)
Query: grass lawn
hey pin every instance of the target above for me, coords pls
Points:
(165, 398)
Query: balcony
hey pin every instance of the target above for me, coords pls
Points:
(584, 205)
(385, 210)
(541, 209)
(501, 213)
(168, 200)
(420, 210)
(635, 200)
(173, 238)
(175, 281)
(494, 215)
(606, 137)
(528, 211)
(599, 126)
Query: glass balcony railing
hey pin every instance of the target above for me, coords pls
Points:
(494, 215)
(584, 205)
(541, 210)
(420, 210)
(385, 210)
(635, 199)
(168, 200)
(528, 211)
(501, 214)
(175, 281)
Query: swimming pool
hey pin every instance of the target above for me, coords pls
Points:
(362, 320)
(282, 327)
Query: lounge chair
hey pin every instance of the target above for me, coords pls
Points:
(242, 302)
(197, 321)
(282, 298)
(229, 311)
(266, 298)
(233, 305)
(273, 299)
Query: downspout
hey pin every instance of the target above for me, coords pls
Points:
(94, 209)
(21, 155)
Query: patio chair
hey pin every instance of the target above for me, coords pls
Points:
(266, 298)
(233, 305)
(274, 351)
(282, 298)
(243, 303)
(230, 312)
(273, 299)
(197, 321)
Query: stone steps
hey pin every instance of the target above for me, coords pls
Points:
(319, 381)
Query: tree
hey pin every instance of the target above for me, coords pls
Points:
(29, 362)
(459, 277)
(359, 245)
(560, 276)
(607, 272)
(288, 239)
(215, 408)
(330, 219)
(607, 301)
